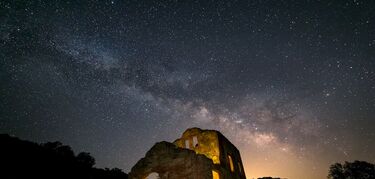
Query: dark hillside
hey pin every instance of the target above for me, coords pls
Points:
(21, 159)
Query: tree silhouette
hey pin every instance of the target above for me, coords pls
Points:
(59, 148)
(355, 170)
(52, 145)
(85, 159)
(24, 159)
(336, 171)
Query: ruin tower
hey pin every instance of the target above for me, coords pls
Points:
(197, 154)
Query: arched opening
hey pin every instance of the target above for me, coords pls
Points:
(230, 161)
(195, 141)
(187, 144)
(153, 176)
(215, 175)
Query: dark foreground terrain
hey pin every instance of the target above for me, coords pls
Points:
(24, 159)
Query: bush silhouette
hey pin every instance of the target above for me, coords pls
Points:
(354, 170)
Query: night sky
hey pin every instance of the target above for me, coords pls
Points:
(290, 83)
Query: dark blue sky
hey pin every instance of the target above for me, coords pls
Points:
(290, 83)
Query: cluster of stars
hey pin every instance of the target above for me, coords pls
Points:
(289, 83)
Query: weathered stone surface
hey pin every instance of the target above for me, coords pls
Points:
(196, 155)
(216, 147)
(208, 142)
(171, 162)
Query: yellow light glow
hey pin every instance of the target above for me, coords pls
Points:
(231, 163)
(215, 175)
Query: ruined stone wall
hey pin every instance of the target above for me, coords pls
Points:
(171, 162)
(208, 144)
(207, 154)
(217, 147)
(228, 149)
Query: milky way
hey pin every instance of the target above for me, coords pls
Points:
(290, 83)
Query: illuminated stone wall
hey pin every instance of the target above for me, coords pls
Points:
(208, 143)
(216, 147)
(198, 154)
(171, 162)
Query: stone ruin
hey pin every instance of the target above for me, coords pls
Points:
(198, 154)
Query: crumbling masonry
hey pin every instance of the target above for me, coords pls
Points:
(198, 154)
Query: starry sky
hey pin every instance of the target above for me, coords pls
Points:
(290, 83)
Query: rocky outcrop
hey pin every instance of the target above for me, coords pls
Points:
(171, 162)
